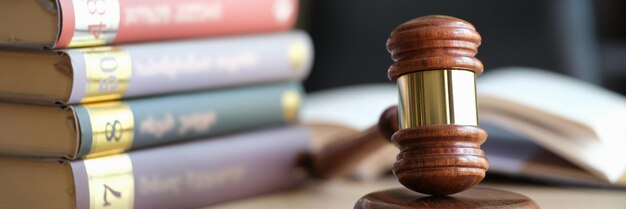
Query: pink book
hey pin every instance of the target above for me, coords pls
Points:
(81, 23)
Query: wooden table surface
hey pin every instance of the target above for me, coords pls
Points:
(342, 194)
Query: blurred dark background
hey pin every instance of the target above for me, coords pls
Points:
(581, 38)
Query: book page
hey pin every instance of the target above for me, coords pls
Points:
(595, 112)
(513, 154)
(586, 153)
(581, 122)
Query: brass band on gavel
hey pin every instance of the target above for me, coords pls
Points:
(437, 97)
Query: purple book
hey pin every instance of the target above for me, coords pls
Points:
(95, 74)
(188, 175)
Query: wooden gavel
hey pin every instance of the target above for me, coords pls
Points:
(435, 124)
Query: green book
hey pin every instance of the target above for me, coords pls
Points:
(98, 129)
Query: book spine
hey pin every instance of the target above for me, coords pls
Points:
(115, 127)
(109, 73)
(105, 22)
(193, 175)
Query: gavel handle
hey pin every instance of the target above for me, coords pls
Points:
(342, 158)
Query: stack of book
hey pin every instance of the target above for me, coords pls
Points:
(148, 104)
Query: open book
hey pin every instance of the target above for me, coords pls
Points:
(541, 125)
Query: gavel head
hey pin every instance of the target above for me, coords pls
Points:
(438, 136)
